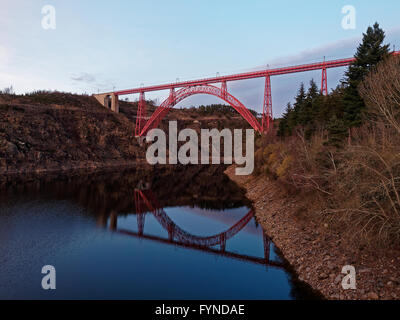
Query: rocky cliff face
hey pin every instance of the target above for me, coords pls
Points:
(53, 131)
(62, 131)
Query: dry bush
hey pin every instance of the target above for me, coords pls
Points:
(366, 182)
(370, 171)
(381, 92)
(356, 188)
(365, 191)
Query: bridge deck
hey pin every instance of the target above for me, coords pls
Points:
(245, 76)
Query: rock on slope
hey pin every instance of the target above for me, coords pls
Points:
(59, 131)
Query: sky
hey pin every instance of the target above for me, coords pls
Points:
(97, 46)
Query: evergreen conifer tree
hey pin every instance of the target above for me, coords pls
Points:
(369, 53)
(337, 132)
(284, 129)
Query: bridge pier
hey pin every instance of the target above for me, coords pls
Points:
(140, 222)
(223, 242)
(172, 96)
(224, 89)
(171, 233)
(113, 221)
(267, 248)
(108, 100)
(324, 84)
(140, 115)
(267, 107)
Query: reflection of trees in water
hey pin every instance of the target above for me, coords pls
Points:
(201, 186)
(112, 193)
(195, 186)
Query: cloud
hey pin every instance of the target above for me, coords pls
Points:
(335, 50)
(83, 77)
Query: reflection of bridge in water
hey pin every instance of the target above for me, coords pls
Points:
(145, 202)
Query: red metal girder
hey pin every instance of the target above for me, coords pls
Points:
(246, 75)
(175, 232)
(140, 222)
(324, 83)
(141, 114)
(224, 89)
(267, 106)
(242, 76)
(183, 93)
(267, 247)
(142, 127)
(210, 250)
(172, 96)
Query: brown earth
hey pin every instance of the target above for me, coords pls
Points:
(317, 253)
(70, 132)
(51, 131)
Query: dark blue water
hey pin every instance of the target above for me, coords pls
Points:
(108, 239)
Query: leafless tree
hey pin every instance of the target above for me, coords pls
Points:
(381, 92)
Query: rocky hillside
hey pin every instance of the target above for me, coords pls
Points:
(53, 131)
(57, 131)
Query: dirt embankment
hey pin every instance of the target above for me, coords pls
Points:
(60, 132)
(317, 253)
(48, 132)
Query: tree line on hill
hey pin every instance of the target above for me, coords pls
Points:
(341, 151)
(219, 109)
(343, 109)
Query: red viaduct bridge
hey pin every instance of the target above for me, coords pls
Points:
(182, 90)
(146, 202)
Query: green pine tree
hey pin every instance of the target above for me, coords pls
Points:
(313, 91)
(284, 129)
(337, 132)
(295, 115)
(369, 53)
(301, 96)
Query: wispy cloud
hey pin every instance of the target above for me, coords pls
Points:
(83, 77)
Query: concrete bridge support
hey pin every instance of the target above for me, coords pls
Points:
(108, 100)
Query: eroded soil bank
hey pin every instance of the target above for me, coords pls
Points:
(50, 132)
(317, 253)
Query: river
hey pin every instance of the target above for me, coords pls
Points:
(186, 233)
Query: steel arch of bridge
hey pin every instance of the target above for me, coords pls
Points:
(222, 93)
(176, 97)
(147, 200)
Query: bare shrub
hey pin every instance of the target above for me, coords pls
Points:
(366, 181)
(356, 188)
(9, 90)
(381, 92)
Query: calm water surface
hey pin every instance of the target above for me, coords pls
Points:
(187, 234)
